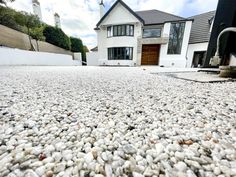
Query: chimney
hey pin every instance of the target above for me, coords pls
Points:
(37, 9)
(102, 9)
(57, 20)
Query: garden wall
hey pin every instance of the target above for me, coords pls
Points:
(10, 56)
(15, 39)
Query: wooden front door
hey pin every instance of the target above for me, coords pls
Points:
(150, 54)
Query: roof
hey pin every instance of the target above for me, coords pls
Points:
(95, 49)
(201, 27)
(124, 5)
(158, 17)
(147, 17)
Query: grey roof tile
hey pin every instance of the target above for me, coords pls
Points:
(200, 31)
(157, 17)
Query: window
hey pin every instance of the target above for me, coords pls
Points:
(109, 31)
(120, 53)
(120, 30)
(176, 38)
(151, 33)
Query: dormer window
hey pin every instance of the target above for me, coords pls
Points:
(120, 30)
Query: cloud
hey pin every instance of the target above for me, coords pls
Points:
(79, 17)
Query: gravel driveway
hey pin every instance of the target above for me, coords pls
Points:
(104, 121)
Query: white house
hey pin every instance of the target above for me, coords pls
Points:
(199, 38)
(139, 38)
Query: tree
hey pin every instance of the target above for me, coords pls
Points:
(57, 37)
(30, 21)
(86, 49)
(37, 34)
(77, 46)
(7, 18)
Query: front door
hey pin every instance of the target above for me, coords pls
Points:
(150, 54)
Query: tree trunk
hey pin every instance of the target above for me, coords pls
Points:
(37, 45)
(31, 45)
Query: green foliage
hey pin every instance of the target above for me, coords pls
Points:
(8, 18)
(19, 21)
(37, 33)
(31, 25)
(57, 37)
(28, 20)
(77, 46)
(86, 49)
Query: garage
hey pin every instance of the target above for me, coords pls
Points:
(150, 54)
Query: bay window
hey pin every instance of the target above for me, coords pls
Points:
(120, 53)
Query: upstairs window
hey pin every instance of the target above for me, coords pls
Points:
(152, 33)
(109, 31)
(176, 38)
(120, 30)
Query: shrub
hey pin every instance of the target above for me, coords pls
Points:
(77, 46)
(8, 18)
(57, 37)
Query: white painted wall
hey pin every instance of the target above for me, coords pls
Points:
(119, 15)
(23, 57)
(78, 57)
(92, 59)
(175, 60)
(195, 48)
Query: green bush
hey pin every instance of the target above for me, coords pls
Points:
(57, 37)
(77, 46)
(8, 18)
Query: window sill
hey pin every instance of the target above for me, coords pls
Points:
(119, 36)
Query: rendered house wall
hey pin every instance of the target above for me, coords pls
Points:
(172, 60)
(195, 48)
(119, 16)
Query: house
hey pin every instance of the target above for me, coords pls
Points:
(199, 38)
(139, 38)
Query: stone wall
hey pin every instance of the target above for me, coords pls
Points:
(15, 39)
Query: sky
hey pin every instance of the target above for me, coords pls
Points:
(79, 17)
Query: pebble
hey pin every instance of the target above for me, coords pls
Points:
(181, 166)
(129, 149)
(59, 167)
(159, 148)
(108, 170)
(49, 174)
(102, 121)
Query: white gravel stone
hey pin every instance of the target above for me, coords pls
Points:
(40, 170)
(101, 121)
(30, 173)
(108, 170)
(135, 174)
(88, 158)
(57, 156)
(59, 167)
(181, 166)
(159, 148)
